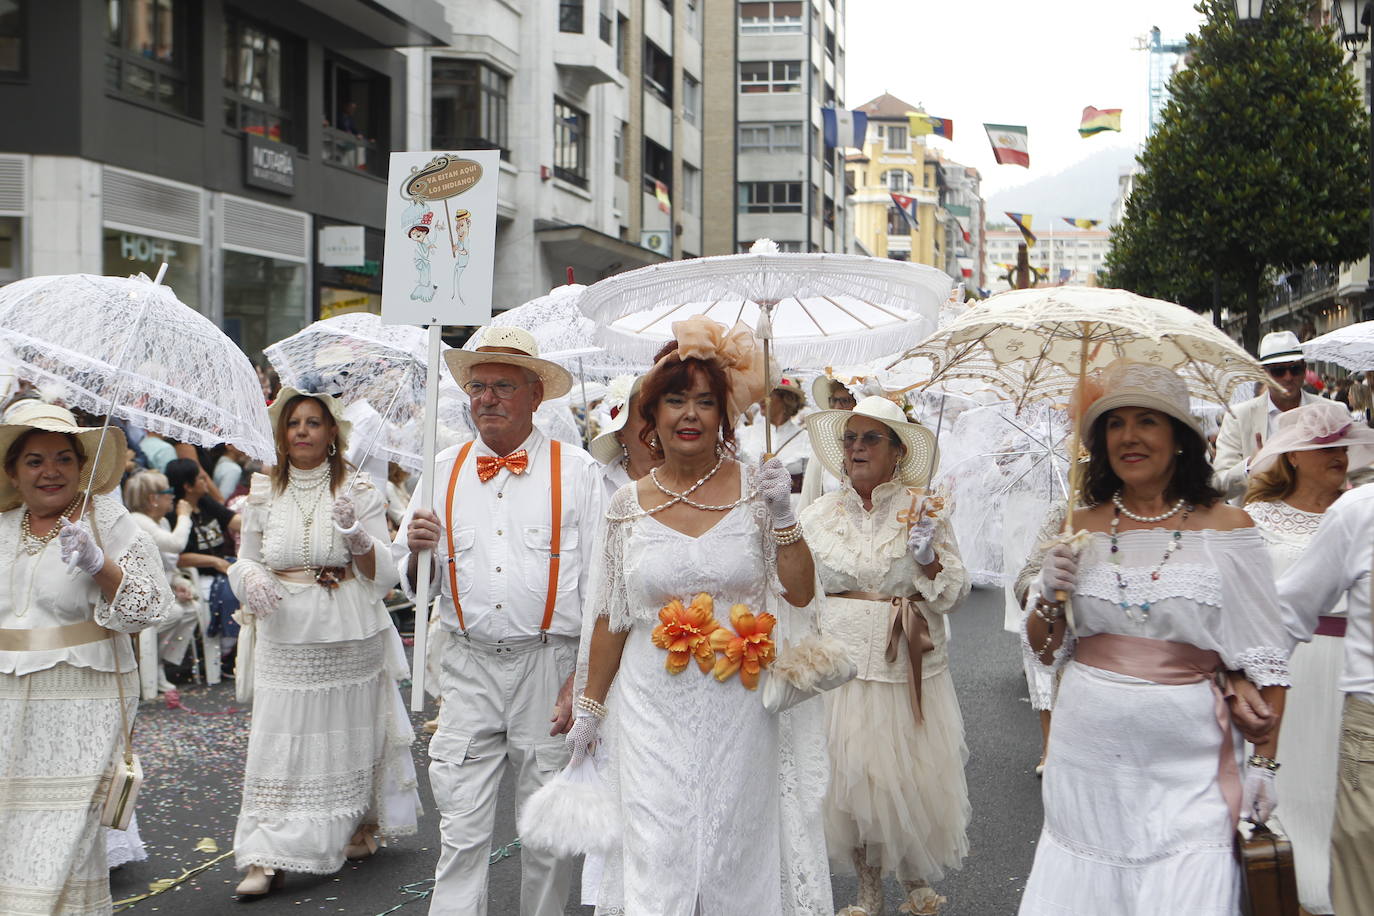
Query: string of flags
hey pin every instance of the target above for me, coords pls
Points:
(1023, 222)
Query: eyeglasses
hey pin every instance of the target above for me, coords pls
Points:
(168, 492)
(504, 390)
(1280, 371)
(869, 439)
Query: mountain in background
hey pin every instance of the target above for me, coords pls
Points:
(1084, 190)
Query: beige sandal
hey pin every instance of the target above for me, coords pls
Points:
(922, 901)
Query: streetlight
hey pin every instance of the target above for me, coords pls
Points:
(1354, 28)
(1249, 10)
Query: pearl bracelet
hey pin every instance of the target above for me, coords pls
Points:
(785, 537)
(588, 705)
(1056, 609)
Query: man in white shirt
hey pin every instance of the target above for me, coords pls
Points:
(510, 638)
(1250, 424)
(1338, 560)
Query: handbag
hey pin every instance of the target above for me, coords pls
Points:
(1269, 884)
(126, 776)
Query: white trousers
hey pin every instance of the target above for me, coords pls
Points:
(497, 702)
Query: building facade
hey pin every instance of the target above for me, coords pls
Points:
(219, 137)
(773, 65)
(1061, 256)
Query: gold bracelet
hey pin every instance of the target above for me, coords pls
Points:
(1269, 763)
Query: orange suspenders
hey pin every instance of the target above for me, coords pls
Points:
(555, 533)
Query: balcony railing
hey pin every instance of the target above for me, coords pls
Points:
(1313, 280)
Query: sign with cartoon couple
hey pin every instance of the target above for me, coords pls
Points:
(440, 237)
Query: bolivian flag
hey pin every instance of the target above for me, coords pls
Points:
(921, 124)
(1023, 222)
(1096, 120)
(1081, 223)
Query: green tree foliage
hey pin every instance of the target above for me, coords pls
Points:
(1260, 160)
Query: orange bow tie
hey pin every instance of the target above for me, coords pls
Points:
(515, 462)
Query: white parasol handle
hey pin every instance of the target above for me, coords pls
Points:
(422, 576)
(376, 433)
(764, 332)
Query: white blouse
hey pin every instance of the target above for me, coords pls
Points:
(171, 542)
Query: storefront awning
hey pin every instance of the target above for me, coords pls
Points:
(592, 255)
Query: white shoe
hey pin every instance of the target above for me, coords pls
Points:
(259, 881)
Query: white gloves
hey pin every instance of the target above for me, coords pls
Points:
(262, 592)
(1261, 796)
(1059, 571)
(775, 486)
(920, 543)
(79, 550)
(582, 736)
(358, 541)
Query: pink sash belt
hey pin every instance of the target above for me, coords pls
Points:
(1173, 664)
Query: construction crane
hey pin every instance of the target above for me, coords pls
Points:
(1165, 58)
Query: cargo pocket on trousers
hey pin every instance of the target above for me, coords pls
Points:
(1357, 758)
(449, 755)
(551, 758)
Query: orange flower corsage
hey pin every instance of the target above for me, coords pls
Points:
(687, 632)
(748, 650)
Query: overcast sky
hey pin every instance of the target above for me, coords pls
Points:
(1012, 62)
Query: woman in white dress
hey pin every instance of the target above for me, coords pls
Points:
(1294, 479)
(703, 576)
(898, 801)
(66, 593)
(329, 765)
(623, 454)
(1142, 786)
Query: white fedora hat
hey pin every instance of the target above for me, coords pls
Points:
(514, 347)
(29, 415)
(605, 447)
(825, 427)
(1280, 347)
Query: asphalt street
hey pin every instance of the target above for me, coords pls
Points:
(194, 757)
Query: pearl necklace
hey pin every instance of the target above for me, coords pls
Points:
(676, 497)
(316, 488)
(33, 544)
(1174, 543)
(1144, 519)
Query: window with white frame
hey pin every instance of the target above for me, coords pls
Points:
(691, 189)
(898, 180)
(770, 137)
(569, 143)
(770, 76)
(691, 98)
(775, 17)
(770, 196)
(896, 138)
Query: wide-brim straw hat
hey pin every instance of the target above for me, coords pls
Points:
(1126, 383)
(825, 427)
(1322, 424)
(605, 448)
(514, 347)
(29, 415)
(331, 404)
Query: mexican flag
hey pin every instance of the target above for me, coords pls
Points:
(1010, 144)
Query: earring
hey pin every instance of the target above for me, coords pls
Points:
(653, 441)
(720, 449)
(333, 450)
(1178, 451)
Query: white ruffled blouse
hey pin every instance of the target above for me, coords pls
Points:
(857, 550)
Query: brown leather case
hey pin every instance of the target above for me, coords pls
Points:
(1270, 886)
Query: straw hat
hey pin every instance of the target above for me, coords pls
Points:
(1126, 383)
(331, 404)
(793, 384)
(604, 447)
(30, 414)
(825, 427)
(1322, 424)
(514, 347)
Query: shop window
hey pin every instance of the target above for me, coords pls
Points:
(569, 143)
(264, 300)
(770, 197)
(356, 105)
(658, 73)
(260, 81)
(11, 249)
(468, 106)
(12, 27)
(127, 253)
(148, 52)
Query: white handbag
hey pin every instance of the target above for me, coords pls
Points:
(126, 777)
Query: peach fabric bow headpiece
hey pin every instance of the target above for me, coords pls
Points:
(735, 350)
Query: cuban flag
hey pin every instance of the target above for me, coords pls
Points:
(843, 128)
(907, 206)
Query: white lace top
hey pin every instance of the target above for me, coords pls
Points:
(860, 550)
(275, 535)
(1216, 593)
(1287, 531)
(37, 591)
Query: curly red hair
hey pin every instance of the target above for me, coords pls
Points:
(672, 374)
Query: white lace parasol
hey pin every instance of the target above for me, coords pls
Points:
(564, 334)
(1351, 347)
(129, 343)
(827, 309)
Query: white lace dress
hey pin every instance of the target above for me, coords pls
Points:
(897, 789)
(329, 745)
(1136, 823)
(59, 712)
(720, 800)
(1310, 733)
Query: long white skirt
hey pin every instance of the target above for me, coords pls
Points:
(1309, 741)
(328, 752)
(897, 788)
(1135, 821)
(59, 732)
(124, 846)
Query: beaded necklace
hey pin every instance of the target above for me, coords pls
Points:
(300, 483)
(32, 543)
(676, 497)
(1174, 543)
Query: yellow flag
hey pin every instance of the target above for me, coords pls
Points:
(919, 123)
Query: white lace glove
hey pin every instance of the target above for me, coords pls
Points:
(1059, 571)
(79, 549)
(262, 592)
(775, 486)
(358, 541)
(1261, 794)
(582, 736)
(920, 543)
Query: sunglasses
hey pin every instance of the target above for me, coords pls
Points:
(1286, 369)
(869, 439)
(168, 492)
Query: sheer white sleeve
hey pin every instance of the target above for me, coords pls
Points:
(1252, 638)
(608, 596)
(144, 594)
(255, 510)
(951, 584)
(1053, 525)
(370, 505)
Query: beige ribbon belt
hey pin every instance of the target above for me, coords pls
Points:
(40, 638)
(909, 625)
